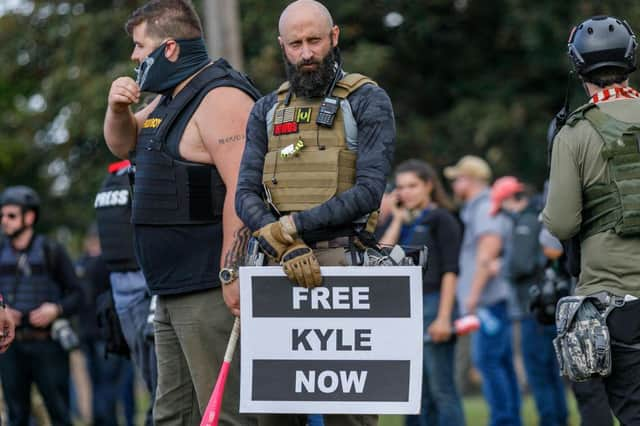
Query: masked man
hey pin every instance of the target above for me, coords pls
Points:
(319, 150)
(188, 143)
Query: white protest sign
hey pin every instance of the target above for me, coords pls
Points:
(353, 345)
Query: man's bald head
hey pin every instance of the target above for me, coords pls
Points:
(301, 10)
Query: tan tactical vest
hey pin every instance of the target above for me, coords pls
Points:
(307, 164)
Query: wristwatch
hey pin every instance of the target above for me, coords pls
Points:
(228, 275)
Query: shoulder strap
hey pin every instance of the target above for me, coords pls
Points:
(344, 87)
(282, 90)
(579, 113)
(609, 128)
(350, 83)
(182, 99)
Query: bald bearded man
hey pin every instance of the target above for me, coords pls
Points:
(319, 150)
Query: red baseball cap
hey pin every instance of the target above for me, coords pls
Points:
(503, 188)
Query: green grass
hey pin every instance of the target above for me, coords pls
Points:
(477, 414)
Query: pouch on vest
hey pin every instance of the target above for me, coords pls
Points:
(110, 326)
(615, 205)
(583, 344)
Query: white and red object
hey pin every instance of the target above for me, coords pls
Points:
(212, 413)
(465, 325)
(462, 326)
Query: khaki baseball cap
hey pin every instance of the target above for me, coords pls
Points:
(471, 166)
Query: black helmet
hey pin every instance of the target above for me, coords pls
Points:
(22, 196)
(602, 41)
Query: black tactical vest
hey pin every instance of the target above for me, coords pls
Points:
(27, 285)
(113, 214)
(169, 190)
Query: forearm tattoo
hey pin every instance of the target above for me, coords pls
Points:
(238, 249)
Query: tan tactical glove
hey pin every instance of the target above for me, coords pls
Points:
(301, 265)
(276, 237)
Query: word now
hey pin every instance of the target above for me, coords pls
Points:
(314, 339)
(331, 298)
(329, 381)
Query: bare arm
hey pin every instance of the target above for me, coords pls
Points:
(441, 328)
(489, 246)
(222, 120)
(392, 233)
(121, 125)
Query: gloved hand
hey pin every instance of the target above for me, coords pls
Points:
(275, 237)
(301, 265)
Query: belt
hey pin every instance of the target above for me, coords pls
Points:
(340, 242)
(607, 299)
(30, 334)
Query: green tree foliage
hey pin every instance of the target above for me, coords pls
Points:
(465, 77)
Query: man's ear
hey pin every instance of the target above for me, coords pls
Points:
(29, 218)
(171, 50)
(335, 35)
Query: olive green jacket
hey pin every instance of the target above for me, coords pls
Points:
(608, 262)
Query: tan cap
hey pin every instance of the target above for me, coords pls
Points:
(471, 166)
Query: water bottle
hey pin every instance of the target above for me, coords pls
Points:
(488, 322)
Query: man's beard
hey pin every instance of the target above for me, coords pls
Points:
(15, 234)
(312, 84)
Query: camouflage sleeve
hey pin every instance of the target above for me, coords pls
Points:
(376, 142)
(250, 206)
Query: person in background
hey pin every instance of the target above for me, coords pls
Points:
(483, 288)
(41, 288)
(525, 268)
(421, 216)
(131, 298)
(106, 371)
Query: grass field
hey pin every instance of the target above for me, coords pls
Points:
(476, 413)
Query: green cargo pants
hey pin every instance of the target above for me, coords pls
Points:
(191, 334)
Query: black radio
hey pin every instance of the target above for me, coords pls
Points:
(328, 111)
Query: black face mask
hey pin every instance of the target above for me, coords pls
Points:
(312, 84)
(157, 74)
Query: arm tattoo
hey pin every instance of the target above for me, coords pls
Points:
(231, 139)
(238, 249)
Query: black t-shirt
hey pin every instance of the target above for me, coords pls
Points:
(179, 259)
(439, 230)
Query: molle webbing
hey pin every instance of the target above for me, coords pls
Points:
(615, 205)
(324, 166)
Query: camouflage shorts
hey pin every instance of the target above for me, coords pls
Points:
(583, 345)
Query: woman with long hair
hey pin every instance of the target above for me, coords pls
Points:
(421, 216)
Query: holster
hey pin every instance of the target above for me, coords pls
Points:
(583, 344)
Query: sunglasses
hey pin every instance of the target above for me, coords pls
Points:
(9, 215)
